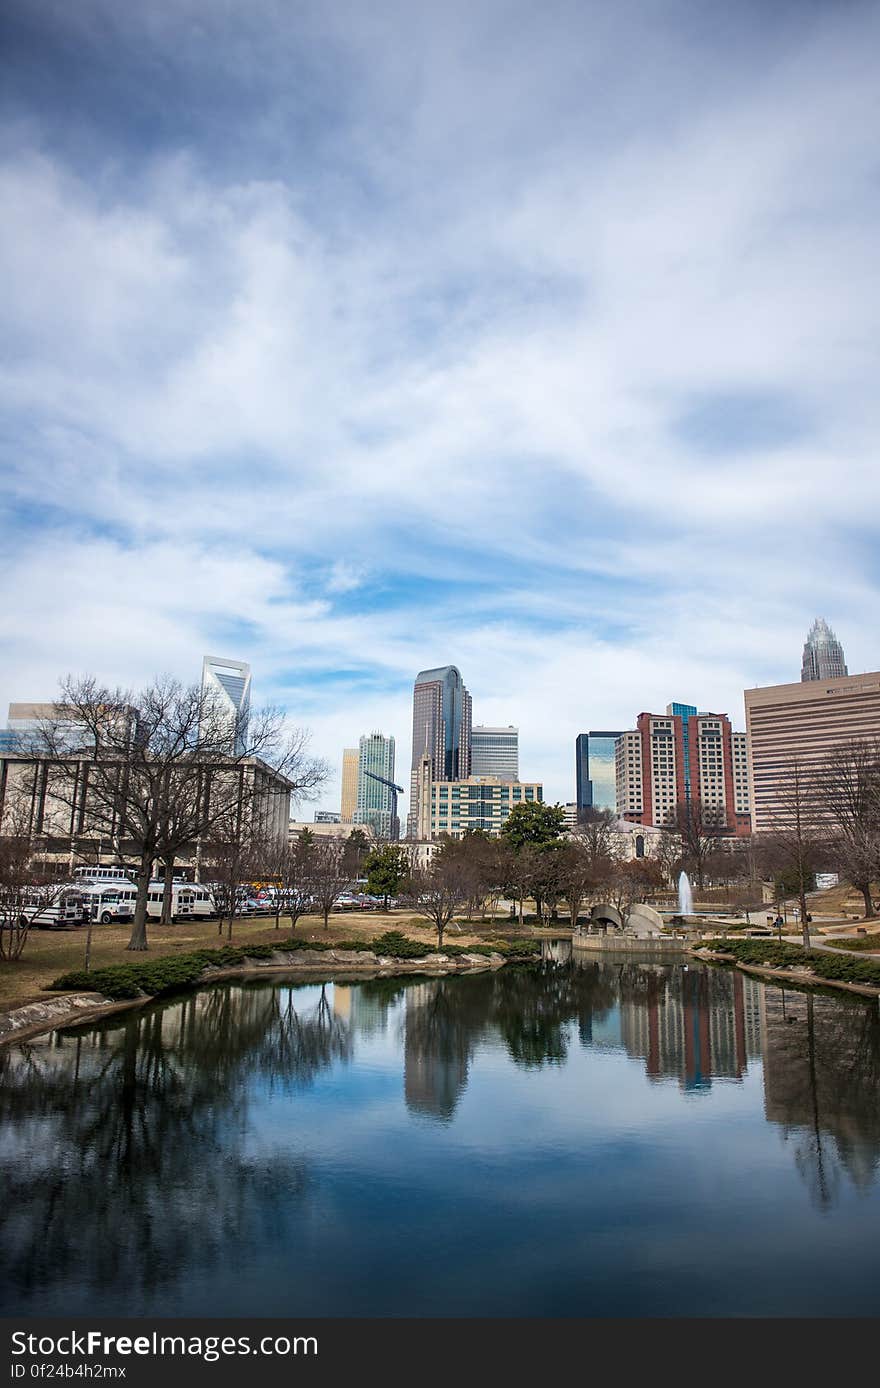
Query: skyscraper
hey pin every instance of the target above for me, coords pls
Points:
(375, 802)
(226, 686)
(348, 806)
(823, 654)
(595, 771)
(441, 727)
(495, 752)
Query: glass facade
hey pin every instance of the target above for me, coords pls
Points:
(595, 771)
(441, 727)
(227, 684)
(375, 801)
(495, 752)
(684, 712)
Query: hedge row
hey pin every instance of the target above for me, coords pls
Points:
(156, 976)
(774, 954)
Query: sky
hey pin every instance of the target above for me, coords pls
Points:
(355, 339)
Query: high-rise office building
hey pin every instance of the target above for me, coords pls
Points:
(658, 770)
(375, 801)
(823, 654)
(798, 725)
(495, 752)
(348, 806)
(595, 771)
(226, 686)
(442, 728)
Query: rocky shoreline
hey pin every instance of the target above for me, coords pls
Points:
(68, 1009)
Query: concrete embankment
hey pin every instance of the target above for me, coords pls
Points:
(69, 1009)
(617, 944)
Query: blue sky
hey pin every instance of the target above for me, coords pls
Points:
(356, 339)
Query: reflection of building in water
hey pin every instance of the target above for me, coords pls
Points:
(688, 1024)
(365, 1012)
(822, 1084)
(753, 1016)
(436, 1052)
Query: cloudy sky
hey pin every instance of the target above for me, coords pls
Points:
(352, 338)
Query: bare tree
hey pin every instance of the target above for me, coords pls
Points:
(438, 891)
(329, 874)
(160, 771)
(231, 857)
(697, 827)
(848, 795)
(26, 893)
(792, 847)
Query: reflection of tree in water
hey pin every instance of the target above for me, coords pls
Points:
(305, 1043)
(531, 1009)
(822, 1084)
(124, 1147)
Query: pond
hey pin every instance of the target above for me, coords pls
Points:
(624, 1138)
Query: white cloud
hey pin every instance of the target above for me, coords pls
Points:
(449, 340)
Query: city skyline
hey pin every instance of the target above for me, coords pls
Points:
(376, 354)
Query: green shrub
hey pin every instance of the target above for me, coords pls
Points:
(774, 954)
(153, 977)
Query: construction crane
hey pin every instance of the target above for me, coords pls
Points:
(395, 791)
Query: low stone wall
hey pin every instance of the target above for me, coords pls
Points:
(622, 944)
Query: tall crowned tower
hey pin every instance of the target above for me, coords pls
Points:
(441, 728)
(226, 688)
(823, 654)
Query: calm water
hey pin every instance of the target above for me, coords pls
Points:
(613, 1139)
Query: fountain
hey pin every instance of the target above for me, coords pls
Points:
(685, 896)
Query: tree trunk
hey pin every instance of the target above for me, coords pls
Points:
(869, 902)
(439, 935)
(88, 960)
(138, 939)
(805, 925)
(167, 892)
(326, 910)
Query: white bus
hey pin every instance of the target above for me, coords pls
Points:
(97, 872)
(53, 908)
(107, 902)
(189, 900)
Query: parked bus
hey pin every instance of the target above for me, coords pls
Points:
(107, 903)
(189, 900)
(53, 908)
(97, 872)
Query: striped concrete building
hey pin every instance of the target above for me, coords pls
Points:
(788, 724)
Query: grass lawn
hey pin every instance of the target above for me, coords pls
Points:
(50, 953)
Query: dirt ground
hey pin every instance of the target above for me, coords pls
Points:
(50, 953)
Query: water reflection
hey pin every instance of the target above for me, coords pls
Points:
(134, 1153)
(115, 1127)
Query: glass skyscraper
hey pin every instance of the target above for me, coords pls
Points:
(595, 771)
(226, 685)
(375, 802)
(441, 727)
(495, 752)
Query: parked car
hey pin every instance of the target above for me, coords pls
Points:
(347, 901)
